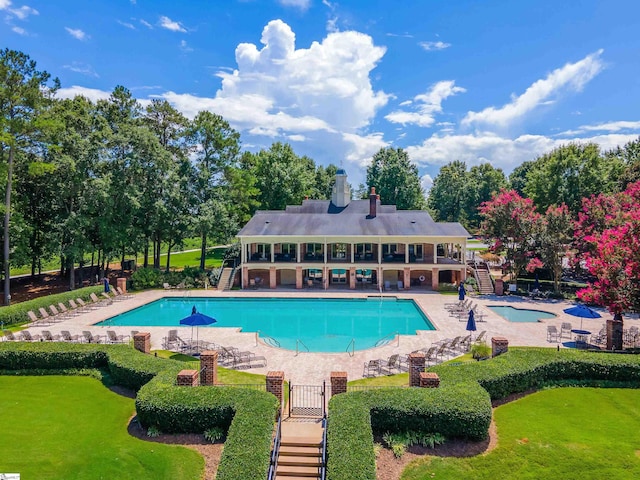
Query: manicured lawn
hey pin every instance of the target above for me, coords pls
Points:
(73, 427)
(563, 433)
(191, 259)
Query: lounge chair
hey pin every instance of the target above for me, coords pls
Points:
(101, 302)
(173, 342)
(32, 316)
(236, 357)
(84, 306)
(372, 368)
(430, 354)
(442, 349)
(454, 345)
(565, 328)
(166, 286)
(600, 338)
(393, 365)
(552, 334)
(48, 337)
(91, 338)
(480, 337)
(113, 337)
(57, 314)
(122, 295)
(9, 336)
(67, 337)
(65, 311)
(27, 337)
(465, 344)
(44, 315)
(76, 307)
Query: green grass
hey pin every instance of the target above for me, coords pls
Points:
(567, 433)
(73, 427)
(191, 259)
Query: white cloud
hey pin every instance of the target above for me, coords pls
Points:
(427, 182)
(301, 4)
(21, 13)
(427, 105)
(4, 4)
(501, 152)
(128, 25)
(166, 22)
(82, 68)
(572, 77)
(92, 94)
(363, 147)
(146, 24)
(297, 138)
(184, 46)
(76, 33)
(611, 126)
(430, 46)
(19, 30)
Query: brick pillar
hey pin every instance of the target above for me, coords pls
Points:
(188, 378)
(275, 384)
(416, 366)
(142, 342)
(245, 277)
(272, 277)
(406, 284)
(429, 380)
(352, 278)
(338, 383)
(208, 367)
(499, 286)
(499, 345)
(298, 277)
(121, 283)
(434, 279)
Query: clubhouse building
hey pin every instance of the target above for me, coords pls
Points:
(350, 244)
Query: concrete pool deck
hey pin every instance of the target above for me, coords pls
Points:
(313, 368)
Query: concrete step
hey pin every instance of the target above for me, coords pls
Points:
(301, 442)
(300, 451)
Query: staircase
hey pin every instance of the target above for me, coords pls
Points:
(226, 279)
(483, 277)
(300, 455)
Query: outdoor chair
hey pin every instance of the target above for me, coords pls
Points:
(76, 307)
(100, 302)
(552, 334)
(27, 337)
(600, 338)
(48, 337)
(442, 349)
(236, 357)
(123, 295)
(67, 337)
(65, 311)
(9, 336)
(465, 344)
(453, 345)
(44, 315)
(480, 337)
(84, 306)
(253, 362)
(565, 328)
(392, 365)
(371, 368)
(113, 337)
(430, 354)
(91, 338)
(32, 316)
(173, 342)
(56, 314)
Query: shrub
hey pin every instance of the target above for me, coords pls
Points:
(146, 278)
(214, 434)
(480, 351)
(153, 432)
(17, 313)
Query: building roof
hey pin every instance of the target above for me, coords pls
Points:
(323, 218)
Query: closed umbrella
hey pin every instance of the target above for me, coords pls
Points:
(461, 292)
(582, 311)
(471, 322)
(536, 283)
(195, 320)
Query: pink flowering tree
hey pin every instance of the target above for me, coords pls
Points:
(509, 223)
(608, 232)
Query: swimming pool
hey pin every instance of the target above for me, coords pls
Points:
(323, 325)
(521, 314)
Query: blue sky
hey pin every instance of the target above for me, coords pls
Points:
(497, 81)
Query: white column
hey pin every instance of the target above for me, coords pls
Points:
(352, 253)
(406, 253)
(435, 253)
(298, 252)
(272, 252)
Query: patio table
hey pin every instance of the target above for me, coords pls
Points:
(581, 337)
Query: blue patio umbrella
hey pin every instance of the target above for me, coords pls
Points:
(461, 292)
(536, 283)
(195, 320)
(471, 323)
(582, 311)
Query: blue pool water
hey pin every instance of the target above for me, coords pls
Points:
(521, 314)
(323, 325)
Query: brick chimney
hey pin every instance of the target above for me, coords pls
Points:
(373, 199)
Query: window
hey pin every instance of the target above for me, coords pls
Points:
(288, 248)
(389, 248)
(338, 250)
(416, 252)
(363, 248)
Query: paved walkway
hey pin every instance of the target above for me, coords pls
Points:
(312, 368)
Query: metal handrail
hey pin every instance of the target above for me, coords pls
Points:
(390, 335)
(298, 343)
(352, 345)
(323, 466)
(271, 341)
(275, 452)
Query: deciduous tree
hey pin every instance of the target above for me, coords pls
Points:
(396, 179)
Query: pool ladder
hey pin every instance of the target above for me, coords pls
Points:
(351, 348)
(298, 343)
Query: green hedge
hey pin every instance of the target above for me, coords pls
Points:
(246, 415)
(17, 313)
(461, 407)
